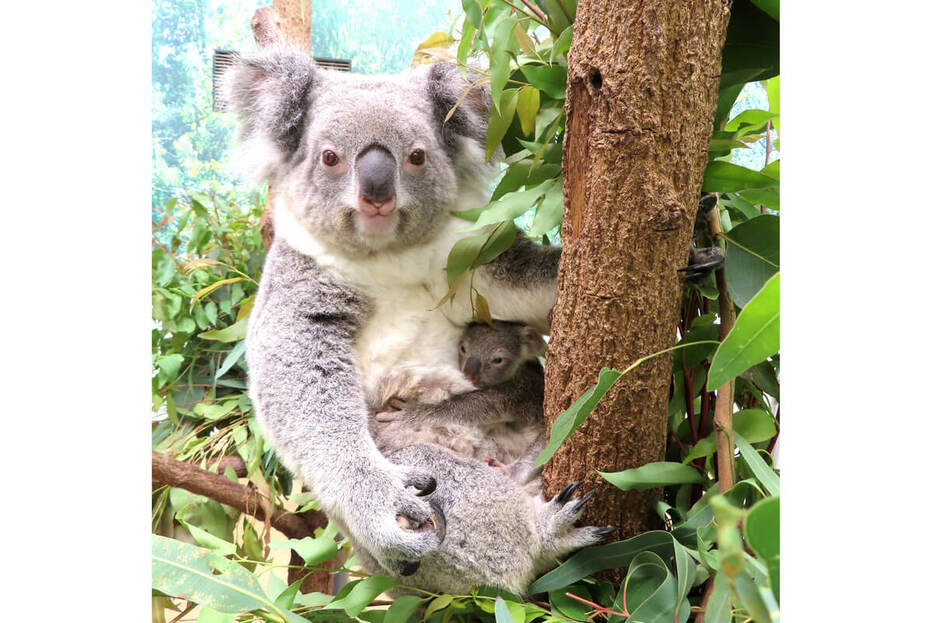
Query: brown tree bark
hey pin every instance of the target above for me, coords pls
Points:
(642, 87)
(288, 21)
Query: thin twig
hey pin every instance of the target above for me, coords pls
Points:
(597, 606)
(723, 414)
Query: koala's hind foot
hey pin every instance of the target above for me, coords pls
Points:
(556, 519)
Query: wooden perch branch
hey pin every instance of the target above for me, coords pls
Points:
(168, 471)
(723, 413)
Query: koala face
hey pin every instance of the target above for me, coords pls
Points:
(365, 163)
(492, 355)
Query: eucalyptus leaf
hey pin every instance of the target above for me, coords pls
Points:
(753, 338)
(653, 475)
(550, 79)
(402, 609)
(726, 177)
(233, 333)
(313, 550)
(764, 474)
(500, 119)
(235, 354)
(204, 577)
(752, 256)
(361, 595)
(527, 102)
(761, 530)
(597, 558)
(473, 251)
(570, 419)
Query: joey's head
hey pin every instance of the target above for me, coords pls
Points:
(364, 163)
(492, 355)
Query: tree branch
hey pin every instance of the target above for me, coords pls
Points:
(723, 413)
(168, 471)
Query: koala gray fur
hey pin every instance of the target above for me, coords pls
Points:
(348, 295)
(501, 421)
(495, 537)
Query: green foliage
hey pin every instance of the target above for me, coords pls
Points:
(205, 266)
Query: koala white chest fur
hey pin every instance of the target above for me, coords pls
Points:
(409, 346)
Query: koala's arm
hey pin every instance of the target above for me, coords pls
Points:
(305, 386)
(518, 400)
(520, 285)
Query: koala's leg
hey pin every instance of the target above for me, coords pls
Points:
(555, 523)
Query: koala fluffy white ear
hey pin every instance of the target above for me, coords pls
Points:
(532, 343)
(446, 85)
(271, 91)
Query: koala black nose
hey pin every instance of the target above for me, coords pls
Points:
(376, 175)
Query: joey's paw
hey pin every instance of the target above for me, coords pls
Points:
(385, 417)
(497, 465)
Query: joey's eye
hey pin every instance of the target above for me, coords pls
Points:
(329, 158)
(463, 350)
(417, 157)
(497, 361)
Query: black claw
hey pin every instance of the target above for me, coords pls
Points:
(440, 521)
(427, 489)
(605, 531)
(565, 495)
(408, 568)
(585, 499)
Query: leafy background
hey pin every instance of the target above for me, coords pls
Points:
(206, 258)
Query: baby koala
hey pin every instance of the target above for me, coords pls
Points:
(501, 422)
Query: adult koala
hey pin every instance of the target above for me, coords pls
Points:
(366, 172)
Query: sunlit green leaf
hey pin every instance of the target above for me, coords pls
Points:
(204, 577)
(233, 333)
(527, 107)
(653, 475)
(569, 420)
(764, 474)
(361, 594)
(753, 338)
(551, 79)
(500, 120)
(726, 177)
(761, 529)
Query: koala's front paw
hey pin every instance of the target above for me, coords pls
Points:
(399, 525)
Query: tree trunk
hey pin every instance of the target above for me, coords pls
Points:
(295, 23)
(642, 87)
(289, 21)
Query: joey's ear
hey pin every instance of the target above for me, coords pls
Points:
(532, 343)
(446, 87)
(271, 91)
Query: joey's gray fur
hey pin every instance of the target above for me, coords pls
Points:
(502, 421)
(347, 309)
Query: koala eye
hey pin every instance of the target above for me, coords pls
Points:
(417, 157)
(329, 158)
(497, 361)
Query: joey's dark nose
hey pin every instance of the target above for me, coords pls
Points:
(472, 367)
(376, 175)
